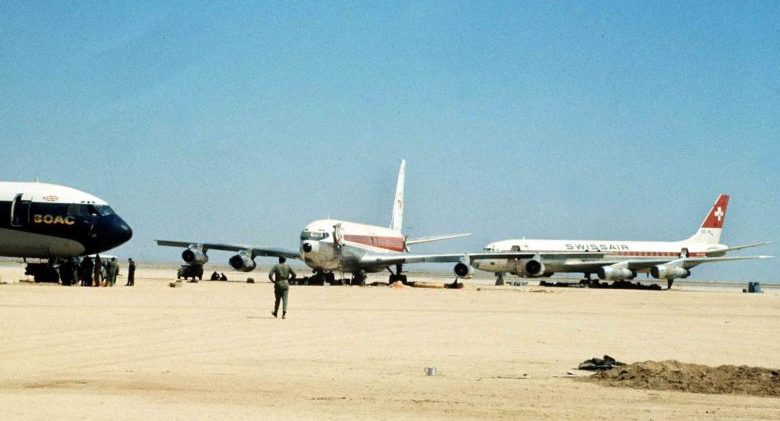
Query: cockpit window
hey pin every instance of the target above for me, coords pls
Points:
(489, 249)
(104, 210)
(81, 209)
(308, 235)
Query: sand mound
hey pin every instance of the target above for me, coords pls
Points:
(674, 375)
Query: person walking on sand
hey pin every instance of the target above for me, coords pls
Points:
(280, 274)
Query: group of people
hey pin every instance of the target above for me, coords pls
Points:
(97, 272)
(218, 276)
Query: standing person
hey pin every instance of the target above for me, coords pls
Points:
(112, 270)
(97, 271)
(86, 271)
(130, 272)
(280, 274)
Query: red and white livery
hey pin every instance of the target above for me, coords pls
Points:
(329, 246)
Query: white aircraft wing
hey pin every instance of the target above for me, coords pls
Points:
(527, 255)
(722, 251)
(412, 241)
(392, 259)
(644, 264)
(695, 261)
(256, 251)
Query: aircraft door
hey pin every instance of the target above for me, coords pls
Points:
(338, 235)
(20, 211)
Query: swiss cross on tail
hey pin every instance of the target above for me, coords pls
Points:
(717, 214)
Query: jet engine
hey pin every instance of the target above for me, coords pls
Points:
(463, 270)
(194, 256)
(533, 267)
(242, 262)
(613, 273)
(669, 272)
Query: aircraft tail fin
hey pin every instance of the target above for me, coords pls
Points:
(712, 226)
(398, 205)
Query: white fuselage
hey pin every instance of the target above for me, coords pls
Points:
(334, 245)
(602, 250)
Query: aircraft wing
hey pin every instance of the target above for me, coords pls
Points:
(644, 264)
(391, 259)
(722, 251)
(256, 251)
(434, 238)
(695, 261)
(528, 255)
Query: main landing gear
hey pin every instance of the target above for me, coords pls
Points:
(321, 277)
(397, 276)
(499, 278)
(586, 280)
(359, 278)
(54, 270)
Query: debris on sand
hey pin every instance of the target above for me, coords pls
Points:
(695, 378)
(600, 364)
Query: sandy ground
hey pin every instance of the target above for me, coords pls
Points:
(212, 350)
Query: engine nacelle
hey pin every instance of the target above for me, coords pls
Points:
(463, 270)
(533, 267)
(613, 273)
(194, 256)
(669, 272)
(243, 263)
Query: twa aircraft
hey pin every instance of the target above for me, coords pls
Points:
(613, 260)
(331, 245)
(56, 223)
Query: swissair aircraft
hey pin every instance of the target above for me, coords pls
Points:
(613, 260)
(53, 222)
(331, 245)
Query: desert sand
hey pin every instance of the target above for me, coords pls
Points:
(212, 350)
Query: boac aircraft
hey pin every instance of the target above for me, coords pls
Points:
(55, 223)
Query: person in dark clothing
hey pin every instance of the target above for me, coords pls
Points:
(223, 277)
(280, 275)
(97, 271)
(86, 271)
(214, 276)
(130, 272)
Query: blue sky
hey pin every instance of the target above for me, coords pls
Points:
(243, 121)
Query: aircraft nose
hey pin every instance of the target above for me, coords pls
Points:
(113, 232)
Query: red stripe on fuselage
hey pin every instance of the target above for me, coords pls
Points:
(387, 243)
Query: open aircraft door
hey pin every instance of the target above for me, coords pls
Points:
(20, 212)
